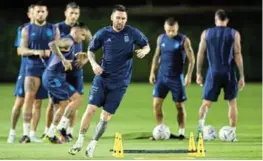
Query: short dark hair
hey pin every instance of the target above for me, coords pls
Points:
(31, 6)
(221, 14)
(40, 3)
(120, 8)
(80, 25)
(72, 5)
(171, 21)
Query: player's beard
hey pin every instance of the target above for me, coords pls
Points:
(119, 26)
(40, 22)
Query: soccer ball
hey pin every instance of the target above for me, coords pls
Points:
(227, 133)
(161, 132)
(209, 133)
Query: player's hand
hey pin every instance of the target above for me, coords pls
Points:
(241, 83)
(81, 63)
(199, 79)
(152, 79)
(97, 69)
(187, 80)
(67, 64)
(81, 55)
(141, 53)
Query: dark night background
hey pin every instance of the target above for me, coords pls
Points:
(148, 16)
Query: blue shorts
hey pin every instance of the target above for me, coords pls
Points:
(34, 70)
(215, 81)
(102, 93)
(76, 80)
(174, 84)
(20, 91)
(58, 88)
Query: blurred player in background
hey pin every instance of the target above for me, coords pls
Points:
(20, 93)
(55, 81)
(74, 76)
(112, 76)
(223, 53)
(34, 45)
(171, 50)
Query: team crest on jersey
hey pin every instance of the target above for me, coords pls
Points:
(163, 44)
(33, 34)
(49, 33)
(126, 38)
(176, 45)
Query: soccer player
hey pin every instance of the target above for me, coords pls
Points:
(74, 76)
(19, 91)
(223, 48)
(34, 45)
(113, 75)
(172, 49)
(54, 78)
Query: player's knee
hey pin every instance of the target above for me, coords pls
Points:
(37, 104)
(180, 107)
(18, 103)
(206, 103)
(157, 104)
(91, 109)
(105, 116)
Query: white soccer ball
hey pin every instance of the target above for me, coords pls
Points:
(161, 132)
(209, 133)
(227, 133)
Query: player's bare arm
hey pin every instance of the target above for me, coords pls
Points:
(155, 62)
(239, 60)
(23, 50)
(95, 66)
(200, 59)
(141, 53)
(191, 60)
(62, 45)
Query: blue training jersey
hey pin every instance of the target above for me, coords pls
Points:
(118, 50)
(172, 55)
(17, 44)
(55, 66)
(64, 31)
(220, 49)
(38, 39)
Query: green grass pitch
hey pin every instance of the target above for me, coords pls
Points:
(134, 118)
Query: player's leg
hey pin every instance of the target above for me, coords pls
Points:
(51, 134)
(48, 116)
(72, 121)
(32, 85)
(35, 120)
(75, 102)
(112, 102)
(231, 91)
(96, 99)
(14, 118)
(181, 119)
(19, 101)
(159, 93)
(84, 126)
(176, 86)
(76, 80)
(211, 92)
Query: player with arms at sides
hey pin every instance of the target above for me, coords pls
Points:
(223, 48)
(34, 45)
(172, 49)
(74, 76)
(112, 76)
(62, 93)
(19, 90)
